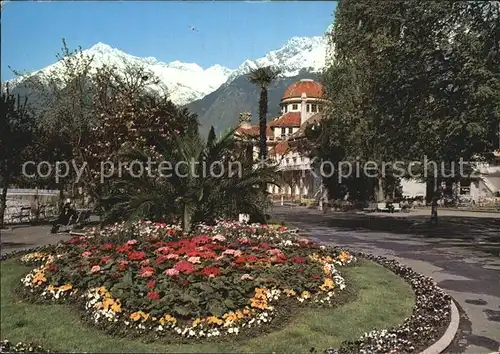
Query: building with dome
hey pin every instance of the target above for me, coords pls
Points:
(301, 105)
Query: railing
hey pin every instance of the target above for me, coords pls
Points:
(31, 192)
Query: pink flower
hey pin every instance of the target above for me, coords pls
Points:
(172, 256)
(164, 250)
(246, 277)
(244, 240)
(194, 260)
(275, 251)
(144, 262)
(131, 242)
(147, 272)
(219, 238)
(86, 254)
(172, 272)
(95, 269)
(235, 253)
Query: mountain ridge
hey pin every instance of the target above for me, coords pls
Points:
(188, 82)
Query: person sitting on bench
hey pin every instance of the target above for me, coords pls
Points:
(64, 218)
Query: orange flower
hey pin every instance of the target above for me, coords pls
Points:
(327, 285)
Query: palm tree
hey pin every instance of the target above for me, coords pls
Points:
(262, 78)
(193, 192)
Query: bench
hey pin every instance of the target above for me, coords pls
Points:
(24, 213)
(382, 207)
(372, 207)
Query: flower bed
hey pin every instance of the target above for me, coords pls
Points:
(430, 319)
(428, 322)
(222, 280)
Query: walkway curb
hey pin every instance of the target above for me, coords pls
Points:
(448, 336)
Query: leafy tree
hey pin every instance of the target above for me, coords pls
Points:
(262, 78)
(16, 133)
(412, 79)
(190, 190)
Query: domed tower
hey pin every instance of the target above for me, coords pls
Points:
(304, 97)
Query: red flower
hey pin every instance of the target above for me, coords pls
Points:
(146, 272)
(136, 256)
(211, 272)
(265, 246)
(105, 259)
(252, 258)
(75, 240)
(200, 240)
(107, 247)
(123, 249)
(298, 259)
(161, 259)
(123, 265)
(241, 259)
(151, 284)
(52, 268)
(184, 267)
(153, 295)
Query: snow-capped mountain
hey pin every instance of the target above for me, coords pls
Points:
(297, 54)
(188, 82)
(185, 82)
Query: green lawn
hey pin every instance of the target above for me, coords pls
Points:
(383, 300)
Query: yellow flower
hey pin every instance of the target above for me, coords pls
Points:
(107, 303)
(51, 288)
(39, 278)
(327, 285)
(246, 311)
(214, 320)
(196, 322)
(170, 319)
(117, 306)
(259, 300)
(344, 257)
(66, 287)
(136, 316)
(306, 294)
(289, 292)
(230, 316)
(239, 314)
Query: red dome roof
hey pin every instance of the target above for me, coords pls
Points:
(309, 87)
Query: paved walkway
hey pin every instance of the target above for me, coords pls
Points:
(461, 254)
(24, 237)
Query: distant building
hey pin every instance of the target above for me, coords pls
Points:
(301, 105)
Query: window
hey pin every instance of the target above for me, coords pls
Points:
(283, 131)
(294, 160)
(285, 109)
(290, 131)
(295, 107)
(308, 108)
(314, 108)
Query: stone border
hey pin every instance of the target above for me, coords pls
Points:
(448, 336)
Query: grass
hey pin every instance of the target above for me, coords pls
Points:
(383, 300)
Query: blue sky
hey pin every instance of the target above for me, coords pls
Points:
(229, 32)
